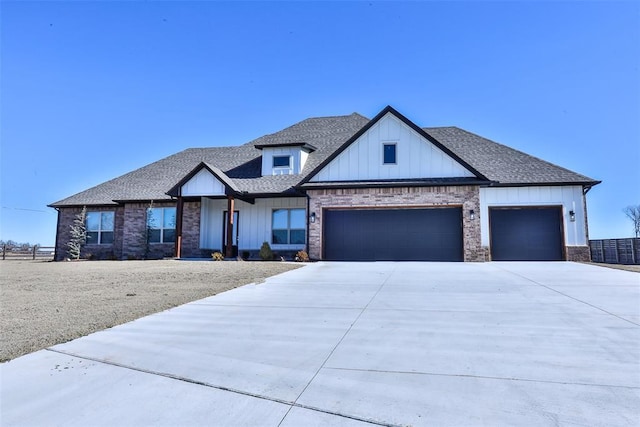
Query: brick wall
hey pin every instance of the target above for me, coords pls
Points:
(66, 216)
(134, 235)
(191, 231)
(468, 197)
(129, 234)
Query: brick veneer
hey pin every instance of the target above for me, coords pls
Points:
(66, 216)
(191, 231)
(468, 197)
(129, 241)
(134, 235)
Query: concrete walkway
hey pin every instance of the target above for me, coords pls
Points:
(356, 344)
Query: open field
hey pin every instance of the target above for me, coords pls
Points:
(47, 303)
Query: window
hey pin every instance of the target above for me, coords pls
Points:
(389, 154)
(289, 227)
(100, 227)
(281, 165)
(161, 223)
(281, 161)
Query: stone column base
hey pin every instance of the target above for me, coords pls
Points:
(578, 253)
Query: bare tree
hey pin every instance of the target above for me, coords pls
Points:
(633, 213)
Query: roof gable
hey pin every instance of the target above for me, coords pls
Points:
(418, 154)
(204, 180)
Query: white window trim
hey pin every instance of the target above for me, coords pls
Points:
(162, 228)
(384, 144)
(100, 230)
(288, 227)
(282, 170)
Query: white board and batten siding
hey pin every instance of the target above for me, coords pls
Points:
(297, 155)
(203, 183)
(254, 222)
(416, 156)
(570, 197)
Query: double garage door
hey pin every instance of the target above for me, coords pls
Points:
(433, 234)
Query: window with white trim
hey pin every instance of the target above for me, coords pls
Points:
(161, 225)
(288, 226)
(100, 227)
(389, 154)
(282, 165)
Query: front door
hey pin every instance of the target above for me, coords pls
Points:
(234, 230)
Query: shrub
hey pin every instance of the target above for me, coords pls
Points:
(266, 254)
(302, 256)
(245, 255)
(217, 256)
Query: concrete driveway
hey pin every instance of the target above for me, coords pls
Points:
(355, 344)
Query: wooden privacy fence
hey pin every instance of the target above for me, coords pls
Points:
(32, 252)
(616, 251)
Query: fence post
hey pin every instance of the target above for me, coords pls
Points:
(34, 252)
(4, 251)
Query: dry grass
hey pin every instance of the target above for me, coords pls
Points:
(634, 268)
(47, 303)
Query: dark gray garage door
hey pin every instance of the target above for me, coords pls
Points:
(526, 234)
(393, 235)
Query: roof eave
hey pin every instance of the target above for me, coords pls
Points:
(545, 184)
(393, 183)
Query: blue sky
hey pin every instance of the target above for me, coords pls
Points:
(92, 90)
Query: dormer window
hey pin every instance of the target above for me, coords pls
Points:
(281, 161)
(285, 158)
(282, 165)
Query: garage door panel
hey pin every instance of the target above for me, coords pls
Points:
(393, 234)
(526, 234)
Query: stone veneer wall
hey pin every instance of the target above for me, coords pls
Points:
(466, 196)
(578, 253)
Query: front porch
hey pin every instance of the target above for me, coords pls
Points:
(203, 226)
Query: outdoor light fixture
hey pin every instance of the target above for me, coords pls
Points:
(572, 216)
(472, 214)
(313, 217)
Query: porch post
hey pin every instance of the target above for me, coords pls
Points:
(179, 210)
(229, 241)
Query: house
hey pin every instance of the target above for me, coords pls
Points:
(341, 188)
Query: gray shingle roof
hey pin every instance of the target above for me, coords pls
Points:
(242, 164)
(503, 164)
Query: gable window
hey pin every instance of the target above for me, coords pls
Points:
(161, 224)
(389, 154)
(100, 227)
(288, 227)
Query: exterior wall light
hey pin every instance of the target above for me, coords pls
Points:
(572, 216)
(313, 217)
(472, 214)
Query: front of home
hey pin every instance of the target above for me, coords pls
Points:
(340, 188)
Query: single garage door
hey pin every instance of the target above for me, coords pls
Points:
(393, 234)
(526, 234)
